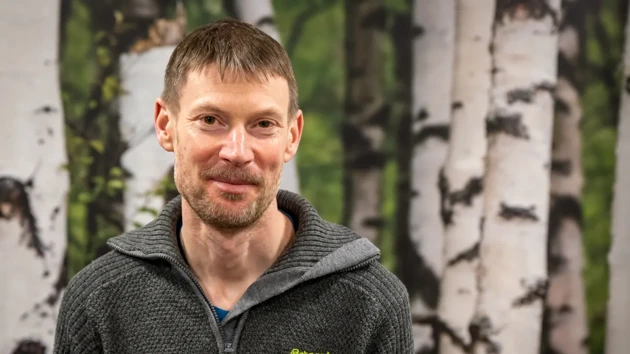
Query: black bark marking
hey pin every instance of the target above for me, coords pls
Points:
(568, 68)
(527, 94)
(266, 20)
(54, 213)
(627, 85)
(511, 124)
(566, 309)
(448, 199)
(473, 187)
(562, 208)
(482, 224)
(439, 327)
(40, 141)
(29, 346)
(49, 131)
(468, 255)
(377, 19)
(555, 262)
(415, 273)
(463, 291)
(46, 109)
(431, 131)
(561, 106)
(511, 212)
(422, 115)
(534, 292)
(380, 118)
(15, 203)
(359, 151)
(524, 9)
(417, 31)
(457, 105)
(375, 222)
(480, 330)
(562, 167)
(446, 209)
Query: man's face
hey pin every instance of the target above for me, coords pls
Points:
(231, 139)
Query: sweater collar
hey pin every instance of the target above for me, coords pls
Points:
(315, 238)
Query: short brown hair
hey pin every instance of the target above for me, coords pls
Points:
(234, 46)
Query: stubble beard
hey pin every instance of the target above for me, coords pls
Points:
(211, 212)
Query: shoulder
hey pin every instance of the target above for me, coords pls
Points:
(384, 287)
(96, 275)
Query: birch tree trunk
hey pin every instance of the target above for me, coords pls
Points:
(514, 241)
(461, 181)
(564, 326)
(260, 14)
(618, 320)
(142, 78)
(367, 112)
(33, 182)
(433, 56)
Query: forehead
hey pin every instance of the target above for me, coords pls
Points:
(234, 91)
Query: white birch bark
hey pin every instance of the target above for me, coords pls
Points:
(513, 270)
(32, 218)
(462, 203)
(260, 14)
(565, 323)
(618, 319)
(142, 79)
(433, 53)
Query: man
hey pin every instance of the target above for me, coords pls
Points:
(234, 265)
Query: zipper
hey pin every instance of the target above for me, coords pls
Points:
(218, 333)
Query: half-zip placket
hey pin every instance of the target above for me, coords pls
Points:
(226, 347)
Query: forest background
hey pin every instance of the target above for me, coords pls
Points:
(313, 34)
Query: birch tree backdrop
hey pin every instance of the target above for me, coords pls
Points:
(483, 145)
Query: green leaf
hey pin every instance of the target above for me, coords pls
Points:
(115, 172)
(84, 197)
(110, 88)
(115, 184)
(97, 145)
(103, 56)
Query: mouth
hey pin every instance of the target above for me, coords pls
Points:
(236, 182)
(232, 186)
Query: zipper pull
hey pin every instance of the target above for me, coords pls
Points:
(228, 348)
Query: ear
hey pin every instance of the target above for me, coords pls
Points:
(164, 124)
(295, 135)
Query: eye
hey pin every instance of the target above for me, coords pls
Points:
(209, 120)
(264, 124)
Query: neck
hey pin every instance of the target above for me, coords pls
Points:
(231, 260)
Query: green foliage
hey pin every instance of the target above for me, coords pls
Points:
(604, 47)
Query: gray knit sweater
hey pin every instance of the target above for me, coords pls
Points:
(326, 294)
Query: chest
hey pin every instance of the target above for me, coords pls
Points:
(167, 317)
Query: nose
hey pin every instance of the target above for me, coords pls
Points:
(236, 147)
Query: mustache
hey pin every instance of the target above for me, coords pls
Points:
(221, 172)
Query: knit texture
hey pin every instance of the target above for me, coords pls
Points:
(137, 299)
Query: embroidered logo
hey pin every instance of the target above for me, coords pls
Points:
(297, 351)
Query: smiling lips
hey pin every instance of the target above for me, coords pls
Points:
(234, 186)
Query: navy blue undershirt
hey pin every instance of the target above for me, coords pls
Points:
(221, 313)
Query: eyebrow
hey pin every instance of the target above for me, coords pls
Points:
(206, 106)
